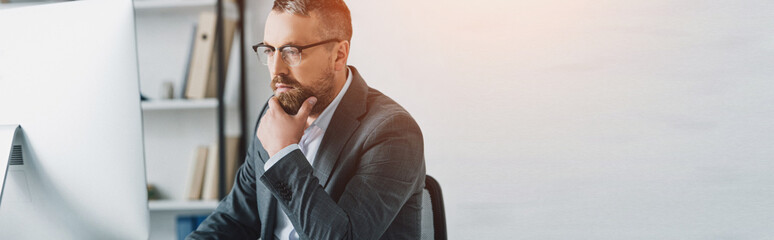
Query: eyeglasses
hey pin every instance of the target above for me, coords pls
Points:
(290, 54)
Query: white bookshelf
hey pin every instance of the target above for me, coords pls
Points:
(181, 205)
(174, 128)
(179, 104)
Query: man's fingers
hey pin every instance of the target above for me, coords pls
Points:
(274, 104)
(306, 108)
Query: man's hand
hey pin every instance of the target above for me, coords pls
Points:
(278, 130)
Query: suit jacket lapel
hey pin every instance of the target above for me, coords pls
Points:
(343, 123)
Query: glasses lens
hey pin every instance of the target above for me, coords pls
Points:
(291, 56)
(265, 54)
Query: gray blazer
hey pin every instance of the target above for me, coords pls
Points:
(366, 182)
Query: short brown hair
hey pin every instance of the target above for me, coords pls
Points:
(334, 15)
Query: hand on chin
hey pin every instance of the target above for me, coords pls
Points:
(278, 129)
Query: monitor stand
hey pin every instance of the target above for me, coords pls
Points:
(9, 152)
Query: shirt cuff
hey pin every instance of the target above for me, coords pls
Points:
(279, 155)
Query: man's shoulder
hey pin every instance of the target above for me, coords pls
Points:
(381, 109)
(380, 105)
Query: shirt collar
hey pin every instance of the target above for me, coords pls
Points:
(324, 119)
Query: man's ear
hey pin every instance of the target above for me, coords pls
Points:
(342, 53)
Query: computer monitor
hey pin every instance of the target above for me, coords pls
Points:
(69, 77)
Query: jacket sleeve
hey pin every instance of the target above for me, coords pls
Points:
(391, 168)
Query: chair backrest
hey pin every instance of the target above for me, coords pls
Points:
(433, 214)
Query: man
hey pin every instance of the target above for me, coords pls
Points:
(332, 158)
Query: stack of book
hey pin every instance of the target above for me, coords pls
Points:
(201, 80)
(203, 178)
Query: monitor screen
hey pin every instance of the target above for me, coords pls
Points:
(69, 77)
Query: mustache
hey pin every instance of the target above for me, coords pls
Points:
(284, 79)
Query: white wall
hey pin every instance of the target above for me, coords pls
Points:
(579, 119)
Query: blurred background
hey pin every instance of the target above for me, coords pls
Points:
(585, 119)
(552, 119)
(578, 119)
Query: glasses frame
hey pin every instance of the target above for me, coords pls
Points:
(300, 49)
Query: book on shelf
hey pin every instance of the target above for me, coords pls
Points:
(211, 185)
(211, 174)
(232, 160)
(187, 70)
(196, 174)
(232, 85)
(202, 74)
(228, 38)
(201, 57)
(187, 224)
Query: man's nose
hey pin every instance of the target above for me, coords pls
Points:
(277, 66)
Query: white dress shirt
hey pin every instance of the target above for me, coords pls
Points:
(308, 145)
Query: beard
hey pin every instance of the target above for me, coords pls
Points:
(291, 100)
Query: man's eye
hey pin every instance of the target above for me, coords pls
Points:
(290, 52)
(268, 51)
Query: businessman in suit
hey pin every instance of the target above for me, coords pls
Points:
(332, 158)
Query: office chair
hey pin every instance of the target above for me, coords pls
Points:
(433, 215)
